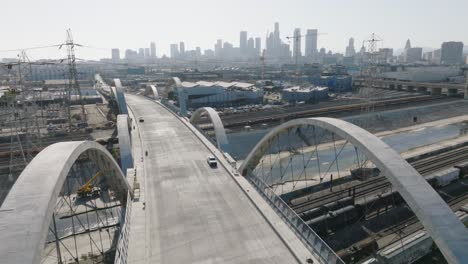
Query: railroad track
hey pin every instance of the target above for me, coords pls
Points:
(412, 224)
(424, 167)
(327, 111)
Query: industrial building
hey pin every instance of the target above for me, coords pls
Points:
(304, 94)
(215, 94)
(452, 52)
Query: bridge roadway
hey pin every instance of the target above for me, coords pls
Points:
(194, 214)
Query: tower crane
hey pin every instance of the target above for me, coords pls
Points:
(297, 40)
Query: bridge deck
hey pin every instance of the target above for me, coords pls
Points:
(194, 214)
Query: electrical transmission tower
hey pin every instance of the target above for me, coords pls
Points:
(73, 84)
(370, 74)
(373, 52)
(21, 107)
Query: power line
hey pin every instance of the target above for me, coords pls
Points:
(31, 48)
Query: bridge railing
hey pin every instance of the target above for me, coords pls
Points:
(172, 107)
(121, 250)
(313, 241)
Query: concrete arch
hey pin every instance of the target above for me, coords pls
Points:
(113, 92)
(27, 210)
(220, 132)
(125, 144)
(176, 81)
(152, 91)
(120, 97)
(450, 235)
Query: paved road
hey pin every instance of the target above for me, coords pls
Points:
(195, 214)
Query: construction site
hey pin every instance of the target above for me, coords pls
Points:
(370, 174)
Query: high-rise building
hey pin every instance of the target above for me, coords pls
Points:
(408, 44)
(209, 53)
(250, 47)
(413, 55)
(350, 51)
(115, 54)
(174, 50)
(147, 52)
(311, 42)
(297, 43)
(198, 51)
(153, 49)
(130, 54)
(452, 52)
(218, 47)
(182, 48)
(427, 56)
(277, 33)
(258, 46)
(274, 47)
(243, 42)
(436, 56)
(385, 55)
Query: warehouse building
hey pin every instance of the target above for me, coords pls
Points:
(304, 94)
(215, 94)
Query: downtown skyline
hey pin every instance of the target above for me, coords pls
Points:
(201, 24)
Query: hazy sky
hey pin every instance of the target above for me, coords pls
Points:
(132, 24)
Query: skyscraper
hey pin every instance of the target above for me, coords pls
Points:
(250, 47)
(258, 46)
(350, 51)
(408, 44)
(452, 52)
(311, 42)
(141, 52)
(218, 47)
(174, 50)
(182, 48)
(413, 55)
(243, 42)
(153, 49)
(147, 52)
(297, 43)
(277, 32)
(115, 54)
(130, 54)
(274, 47)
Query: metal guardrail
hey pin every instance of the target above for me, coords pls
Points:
(313, 241)
(121, 251)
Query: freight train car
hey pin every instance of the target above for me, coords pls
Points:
(381, 201)
(318, 211)
(444, 177)
(336, 219)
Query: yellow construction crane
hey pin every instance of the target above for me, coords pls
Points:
(88, 189)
